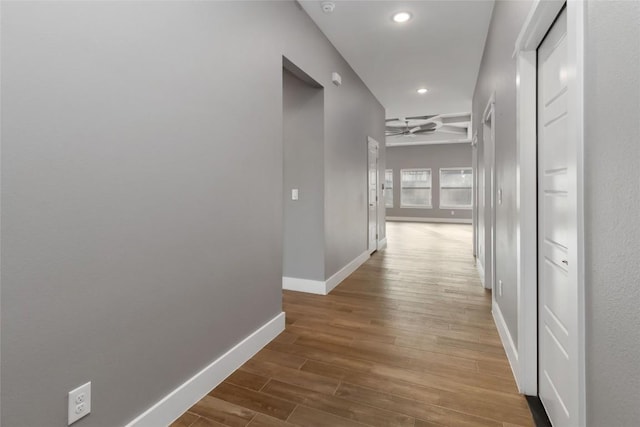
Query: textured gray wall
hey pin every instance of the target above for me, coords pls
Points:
(142, 209)
(303, 139)
(427, 156)
(612, 204)
(498, 74)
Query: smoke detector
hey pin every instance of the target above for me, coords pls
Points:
(328, 6)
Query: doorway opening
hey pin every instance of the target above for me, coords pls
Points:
(303, 180)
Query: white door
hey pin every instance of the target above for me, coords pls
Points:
(557, 284)
(373, 194)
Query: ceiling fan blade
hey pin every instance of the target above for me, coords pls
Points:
(415, 129)
(423, 131)
(419, 117)
(393, 134)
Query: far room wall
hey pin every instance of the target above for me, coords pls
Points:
(433, 157)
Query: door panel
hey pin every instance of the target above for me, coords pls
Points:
(558, 298)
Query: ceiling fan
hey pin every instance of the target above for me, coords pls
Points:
(410, 126)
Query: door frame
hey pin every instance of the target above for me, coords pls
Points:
(540, 19)
(489, 116)
(372, 142)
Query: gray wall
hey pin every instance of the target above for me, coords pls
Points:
(612, 204)
(136, 248)
(498, 74)
(427, 156)
(357, 116)
(303, 140)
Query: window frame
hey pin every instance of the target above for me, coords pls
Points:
(388, 188)
(440, 205)
(430, 205)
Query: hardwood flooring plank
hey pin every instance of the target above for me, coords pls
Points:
(205, 422)
(354, 411)
(261, 420)
(223, 412)
(185, 420)
(297, 377)
(247, 380)
(252, 400)
(307, 417)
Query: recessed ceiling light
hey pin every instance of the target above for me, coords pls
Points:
(422, 91)
(401, 17)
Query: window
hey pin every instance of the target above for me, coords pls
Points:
(415, 188)
(388, 188)
(455, 188)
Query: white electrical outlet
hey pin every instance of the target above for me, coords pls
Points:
(294, 194)
(79, 403)
(499, 288)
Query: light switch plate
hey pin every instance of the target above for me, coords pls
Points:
(294, 194)
(79, 403)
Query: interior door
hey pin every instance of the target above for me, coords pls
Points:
(373, 194)
(557, 292)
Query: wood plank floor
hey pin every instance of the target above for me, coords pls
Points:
(406, 340)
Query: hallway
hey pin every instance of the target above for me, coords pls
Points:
(407, 340)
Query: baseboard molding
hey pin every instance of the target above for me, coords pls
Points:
(507, 340)
(304, 285)
(345, 271)
(382, 243)
(186, 395)
(320, 287)
(422, 219)
(480, 268)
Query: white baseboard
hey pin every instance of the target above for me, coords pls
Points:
(186, 395)
(324, 287)
(421, 219)
(382, 243)
(480, 268)
(304, 285)
(345, 271)
(506, 339)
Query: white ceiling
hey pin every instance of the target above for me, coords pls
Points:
(440, 48)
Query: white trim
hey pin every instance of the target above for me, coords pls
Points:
(345, 271)
(480, 268)
(423, 219)
(506, 339)
(382, 243)
(538, 22)
(576, 17)
(304, 285)
(320, 287)
(527, 221)
(169, 408)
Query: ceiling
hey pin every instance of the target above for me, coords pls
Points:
(440, 49)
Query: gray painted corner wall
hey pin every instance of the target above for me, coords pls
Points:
(498, 74)
(612, 204)
(356, 115)
(303, 140)
(142, 205)
(427, 156)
